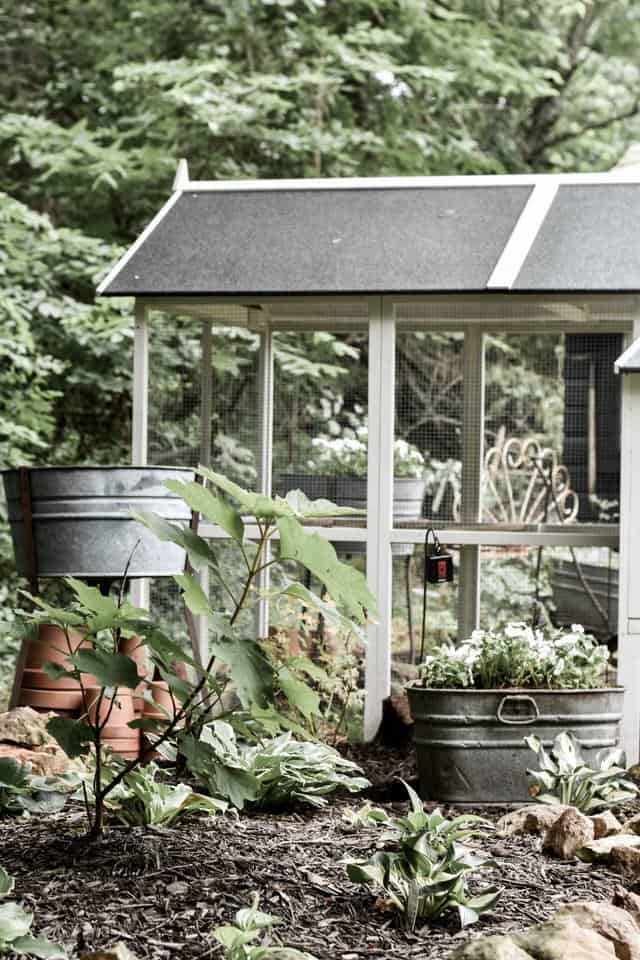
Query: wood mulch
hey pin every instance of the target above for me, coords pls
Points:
(163, 892)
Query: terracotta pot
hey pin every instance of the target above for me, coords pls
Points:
(57, 700)
(127, 746)
(51, 644)
(159, 690)
(133, 647)
(119, 711)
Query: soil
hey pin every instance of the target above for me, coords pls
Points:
(162, 892)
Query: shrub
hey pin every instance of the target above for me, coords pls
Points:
(565, 777)
(425, 872)
(518, 656)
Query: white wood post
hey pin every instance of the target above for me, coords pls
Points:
(629, 586)
(206, 411)
(265, 451)
(472, 453)
(381, 418)
(140, 420)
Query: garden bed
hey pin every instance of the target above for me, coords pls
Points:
(163, 891)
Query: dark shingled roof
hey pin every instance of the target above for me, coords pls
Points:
(386, 239)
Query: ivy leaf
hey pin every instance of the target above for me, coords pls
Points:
(109, 669)
(206, 503)
(74, 736)
(346, 585)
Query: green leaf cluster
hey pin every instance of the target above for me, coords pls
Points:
(22, 792)
(271, 774)
(239, 939)
(15, 927)
(424, 873)
(564, 776)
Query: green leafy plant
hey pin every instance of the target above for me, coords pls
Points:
(273, 773)
(425, 872)
(251, 924)
(140, 799)
(254, 679)
(15, 927)
(566, 777)
(21, 792)
(518, 656)
(346, 455)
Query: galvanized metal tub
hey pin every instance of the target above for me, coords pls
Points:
(82, 524)
(469, 743)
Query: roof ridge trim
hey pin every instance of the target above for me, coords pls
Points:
(148, 230)
(510, 262)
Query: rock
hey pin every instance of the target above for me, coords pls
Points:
(25, 726)
(626, 861)
(571, 831)
(491, 948)
(629, 901)
(602, 849)
(177, 889)
(49, 761)
(611, 922)
(632, 825)
(532, 818)
(564, 940)
(117, 952)
(605, 824)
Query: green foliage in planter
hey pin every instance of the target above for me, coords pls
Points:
(15, 927)
(140, 799)
(22, 792)
(518, 656)
(271, 774)
(425, 872)
(566, 777)
(239, 940)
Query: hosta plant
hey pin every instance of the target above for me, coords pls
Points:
(22, 792)
(346, 455)
(424, 872)
(566, 777)
(272, 773)
(15, 927)
(241, 940)
(518, 655)
(143, 800)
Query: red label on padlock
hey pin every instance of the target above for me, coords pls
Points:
(442, 569)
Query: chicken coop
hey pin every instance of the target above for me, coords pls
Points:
(437, 351)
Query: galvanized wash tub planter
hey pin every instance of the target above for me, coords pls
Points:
(81, 523)
(469, 743)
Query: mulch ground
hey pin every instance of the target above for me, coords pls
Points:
(163, 892)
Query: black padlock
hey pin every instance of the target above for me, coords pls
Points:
(439, 565)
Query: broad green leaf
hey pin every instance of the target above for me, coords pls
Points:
(250, 670)
(7, 883)
(15, 922)
(345, 585)
(194, 596)
(305, 509)
(332, 615)
(39, 947)
(73, 736)
(109, 669)
(206, 503)
(199, 551)
(253, 504)
(91, 598)
(13, 774)
(299, 694)
(56, 671)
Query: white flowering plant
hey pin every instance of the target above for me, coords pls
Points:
(518, 655)
(346, 456)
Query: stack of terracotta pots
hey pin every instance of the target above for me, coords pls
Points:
(64, 696)
(38, 690)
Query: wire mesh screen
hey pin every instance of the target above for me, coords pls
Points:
(320, 414)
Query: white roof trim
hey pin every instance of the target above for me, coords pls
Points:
(629, 361)
(181, 179)
(505, 273)
(623, 175)
(148, 230)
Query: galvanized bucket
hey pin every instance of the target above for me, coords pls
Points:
(81, 522)
(469, 743)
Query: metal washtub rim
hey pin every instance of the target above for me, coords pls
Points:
(504, 691)
(494, 745)
(485, 719)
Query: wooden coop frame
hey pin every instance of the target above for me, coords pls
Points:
(475, 254)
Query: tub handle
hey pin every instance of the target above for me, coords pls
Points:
(518, 698)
